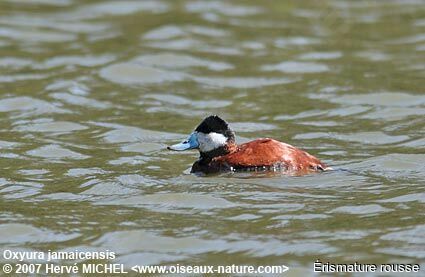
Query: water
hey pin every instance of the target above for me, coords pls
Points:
(93, 92)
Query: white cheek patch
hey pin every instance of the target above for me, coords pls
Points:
(211, 141)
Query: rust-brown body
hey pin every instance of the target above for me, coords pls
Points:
(260, 154)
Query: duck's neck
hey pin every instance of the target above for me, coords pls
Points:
(206, 157)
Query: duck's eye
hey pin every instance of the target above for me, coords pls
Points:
(186, 141)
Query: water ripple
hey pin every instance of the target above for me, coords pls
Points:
(54, 152)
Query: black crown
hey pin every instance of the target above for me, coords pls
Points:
(215, 124)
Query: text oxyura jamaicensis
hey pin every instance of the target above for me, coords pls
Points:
(220, 153)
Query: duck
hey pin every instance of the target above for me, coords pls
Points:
(219, 152)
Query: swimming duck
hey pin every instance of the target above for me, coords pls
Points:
(220, 153)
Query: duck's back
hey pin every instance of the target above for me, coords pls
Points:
(268, 152)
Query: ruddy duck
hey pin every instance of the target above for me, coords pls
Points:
(220, 153)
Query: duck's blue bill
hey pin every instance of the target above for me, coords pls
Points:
(190, 143)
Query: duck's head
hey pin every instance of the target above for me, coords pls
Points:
(212, 134)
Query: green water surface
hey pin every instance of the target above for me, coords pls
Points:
(92, 92)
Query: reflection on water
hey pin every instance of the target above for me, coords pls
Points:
(92, 92)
